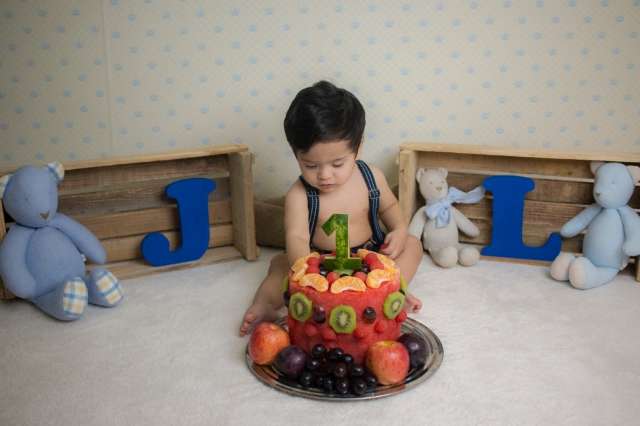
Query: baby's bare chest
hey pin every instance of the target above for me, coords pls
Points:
(355, 203)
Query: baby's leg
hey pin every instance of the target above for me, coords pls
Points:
(408, 262)
(268, 298)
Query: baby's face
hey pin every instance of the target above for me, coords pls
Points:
(327, 165)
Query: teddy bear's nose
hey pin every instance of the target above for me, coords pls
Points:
(44, 215)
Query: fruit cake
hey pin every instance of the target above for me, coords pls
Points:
(347, 309)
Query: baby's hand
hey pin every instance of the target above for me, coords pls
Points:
(394, 243)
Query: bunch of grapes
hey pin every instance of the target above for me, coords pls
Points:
(335, 372)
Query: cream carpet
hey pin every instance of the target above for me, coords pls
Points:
(519, 349)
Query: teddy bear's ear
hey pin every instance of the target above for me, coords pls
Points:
(443, 172)
(634, 171)
(595, 165)
(57, 169)
(419, 174)
(4, 181)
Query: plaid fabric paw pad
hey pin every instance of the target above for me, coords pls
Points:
(109, 287)
(74, 297)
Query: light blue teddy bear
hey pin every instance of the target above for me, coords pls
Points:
(612, 229)
(42, 256)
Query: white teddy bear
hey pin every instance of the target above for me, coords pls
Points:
(438, 222)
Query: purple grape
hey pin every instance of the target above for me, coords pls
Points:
(290, 361)
(369, 314)
(319, 314)
(416, 347)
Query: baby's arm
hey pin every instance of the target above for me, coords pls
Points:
(391, 216)
(296, 223)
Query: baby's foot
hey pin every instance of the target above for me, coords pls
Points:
(256, 313)
(412, 304)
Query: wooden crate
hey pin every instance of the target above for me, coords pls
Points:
(121, 200)
(563, 184)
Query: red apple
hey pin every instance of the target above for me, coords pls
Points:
(388, 360)
(266, 341)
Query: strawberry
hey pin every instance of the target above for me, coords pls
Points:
(332, 276)
(313, 261)
(313, 269)
(361, 275)
(371, 258)
(376, 265)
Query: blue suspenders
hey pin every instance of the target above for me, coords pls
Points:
(313, 203)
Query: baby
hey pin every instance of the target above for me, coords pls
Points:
(324, 126)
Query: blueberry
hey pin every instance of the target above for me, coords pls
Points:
(356, 370)
(342, 386)
(312, 364)
(347, 359)
(369, 314)
(318, 351)
(340, 370)
(328, 384)
(319, 314)
(318, 381)
(306, 379)
(335, 354)
(370, 380)
(358, 386)
(286, 296)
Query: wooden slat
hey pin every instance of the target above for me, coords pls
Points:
(148, 220)
(216, 150)
(138, 268)
(547, 188)
(128, 248)
(244, 232)
(407, 165)
(489, 151)
(127, 197)
(270, 230)
(90, 180)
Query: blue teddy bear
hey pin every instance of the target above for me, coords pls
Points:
(612, 229)
(42, 256)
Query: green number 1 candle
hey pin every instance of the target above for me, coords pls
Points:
(339, 223)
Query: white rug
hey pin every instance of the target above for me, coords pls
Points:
(519, 349)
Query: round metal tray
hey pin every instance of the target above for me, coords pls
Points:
(270, 377)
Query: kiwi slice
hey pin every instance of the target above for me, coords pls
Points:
(403, 285)
(300, 307)
(343, 319)
(285, 284)
(393, 304)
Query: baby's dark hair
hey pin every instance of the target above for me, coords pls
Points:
(321, 113)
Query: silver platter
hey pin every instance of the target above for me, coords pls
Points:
(270, 377)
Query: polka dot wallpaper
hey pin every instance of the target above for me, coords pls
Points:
(84, 79)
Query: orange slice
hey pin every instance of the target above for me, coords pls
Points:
(300, 266)
(387, 262)
(316, 281)
(378, 276)
(348, 284)
(362, 253)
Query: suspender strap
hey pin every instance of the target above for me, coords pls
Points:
(374, 201)
(313, 203)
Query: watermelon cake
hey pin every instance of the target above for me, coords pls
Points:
(343, 308)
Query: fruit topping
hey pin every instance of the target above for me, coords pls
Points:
(369, 314)
(343, 319)
(290, 361)
(416, 347)
(315, 280)
(318, 351)
(319, 314)
(377, 276)
(300, 307)
(393, 304)
(347, 284)
(332, 276)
